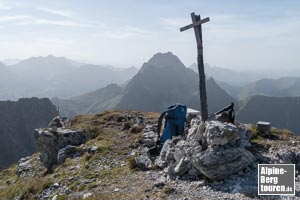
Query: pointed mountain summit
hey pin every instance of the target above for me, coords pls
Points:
(162, 60)
(162, 81)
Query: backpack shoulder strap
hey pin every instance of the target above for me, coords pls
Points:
(161, 117)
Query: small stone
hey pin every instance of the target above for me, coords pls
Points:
(201, 183)
(143, 162)
(92, 149)
(56, 185)
(159, 184)
(147, 190)
(116, 190)
(68, 191)
(181, 167)
(54, 197)
(86, 195)
(286, 156)
(67, 152)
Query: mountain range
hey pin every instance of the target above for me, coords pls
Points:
(162, 81)
(229, 76)
(52, 76)
(281, 87)
(282, 112)
(17, 123)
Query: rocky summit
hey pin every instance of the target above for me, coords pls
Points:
(213, 149)
(108, 156)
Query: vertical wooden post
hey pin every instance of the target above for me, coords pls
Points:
(202, 84)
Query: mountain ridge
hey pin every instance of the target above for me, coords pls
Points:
(18, 119)
(282, 112)
(53, 76)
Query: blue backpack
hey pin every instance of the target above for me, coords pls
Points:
(175, 117)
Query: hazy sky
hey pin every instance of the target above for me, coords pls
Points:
(241, 34)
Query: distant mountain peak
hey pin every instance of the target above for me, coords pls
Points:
(211, 80)
(49, 57)
(164, 60)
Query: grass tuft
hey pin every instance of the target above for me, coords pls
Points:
(131, 162)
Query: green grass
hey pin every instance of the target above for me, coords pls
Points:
(131, 162)
(26, 188)
(62, 197)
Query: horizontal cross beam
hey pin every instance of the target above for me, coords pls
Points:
(195, 24)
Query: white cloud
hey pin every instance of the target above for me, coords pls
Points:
(63, 13)
(29, 20)
(13, 18)
(37, 21)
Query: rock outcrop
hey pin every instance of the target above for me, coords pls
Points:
(56, 144)
(213, 149)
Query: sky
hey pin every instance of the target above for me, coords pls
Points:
(242, 35)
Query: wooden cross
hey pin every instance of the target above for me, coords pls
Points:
(197, 22)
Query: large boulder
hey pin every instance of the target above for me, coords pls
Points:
(49, 143)
(220, 164)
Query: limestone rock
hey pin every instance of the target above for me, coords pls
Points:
(220, 164)
(191, 114)
(56, 122)
(24, 166)
(197, 129)
(143, 162)
(92, 149)
(149, 136)
(167, 152)
(161, 160)
(286, 157)
(50, 142)
(218, 133)
(67, 152)
(181, 167)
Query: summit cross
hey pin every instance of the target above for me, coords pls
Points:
(197, 25)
